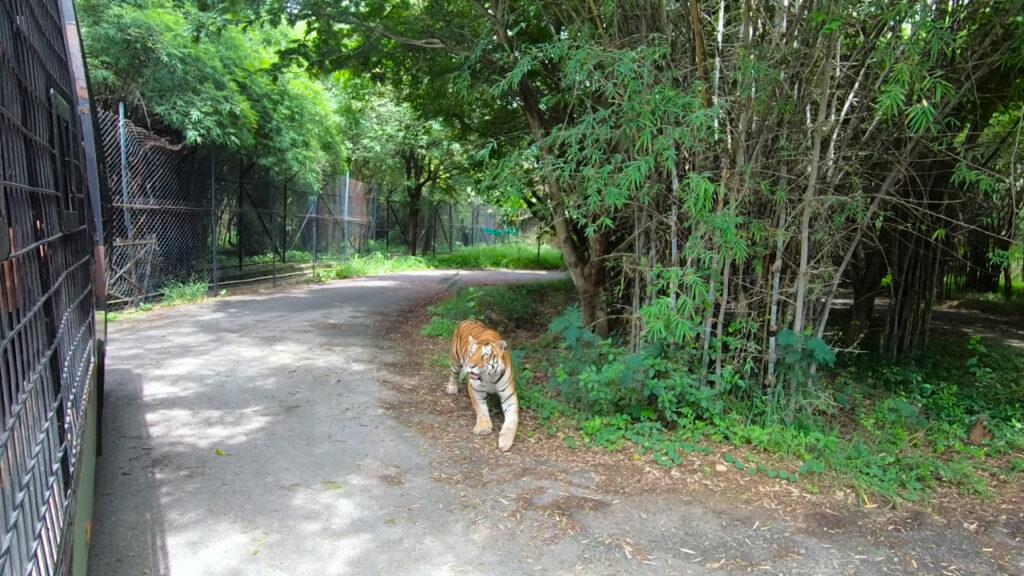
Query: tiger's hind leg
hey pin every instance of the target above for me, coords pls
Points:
(453, 378)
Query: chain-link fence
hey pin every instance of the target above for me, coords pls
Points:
(441, 227)
(182, 214)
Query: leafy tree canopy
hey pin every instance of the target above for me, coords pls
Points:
(191, 73)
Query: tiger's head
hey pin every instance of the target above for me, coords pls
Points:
(486, 358)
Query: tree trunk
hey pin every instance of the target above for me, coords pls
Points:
(585, 265)
(1007, 283)
(592, 305)
(415, 197)
(866, 284)
(803, 272)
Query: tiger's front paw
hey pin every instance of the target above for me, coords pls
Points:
(482, 428)
(451, 388)
(505, 441)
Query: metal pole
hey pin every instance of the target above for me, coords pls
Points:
(316, 224)
(213, 218)
(238, 224)
(284, 226)
(472, 228)
(387, 227)
(344, 213)
(124, 170)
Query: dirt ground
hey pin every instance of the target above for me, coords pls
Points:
(702, 516)
(306, 431)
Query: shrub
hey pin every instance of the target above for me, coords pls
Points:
(184, 292)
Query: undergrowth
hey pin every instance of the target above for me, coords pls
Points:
(896, 431)
(508, 256)
(174, 294)
(184, 292)
(371, 265)
(511, 256)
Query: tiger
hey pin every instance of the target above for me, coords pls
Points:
(483, 355)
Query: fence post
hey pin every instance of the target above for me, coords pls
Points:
(344, 214)
(284, 226)
(316, 224)
(371, 231)
(238, 204)
(122, 134)
(433, 230)
(215, 237)
(472, 226)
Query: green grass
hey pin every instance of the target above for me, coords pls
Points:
(894, 431)
(514, 256)
(996, 304)
(176, 293)
(372, 265)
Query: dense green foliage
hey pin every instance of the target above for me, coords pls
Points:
(894, 430)
(717, 175)
(185, 72)
(507, 256)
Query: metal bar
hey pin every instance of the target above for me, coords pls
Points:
(124, 170)
(316, 224)
(238, 215)
(263, 223)
(401, 229)
(161, 207)
(344, 231)
(284, 225)
(433, 229)
(304, 221)
(214, 236)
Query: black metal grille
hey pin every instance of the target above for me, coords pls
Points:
(47, 356)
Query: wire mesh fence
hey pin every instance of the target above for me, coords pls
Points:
(47, 324)
(181, 214)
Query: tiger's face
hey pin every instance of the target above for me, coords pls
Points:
(485, 358)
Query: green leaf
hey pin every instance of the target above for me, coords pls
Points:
(920, 117)
(787, 338)
(821, 352)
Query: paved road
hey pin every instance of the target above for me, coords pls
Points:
(250, 436)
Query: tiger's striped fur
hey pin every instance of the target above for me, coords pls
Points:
(483, 355)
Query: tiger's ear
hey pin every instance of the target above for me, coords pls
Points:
(472, 340)
(502, 345)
